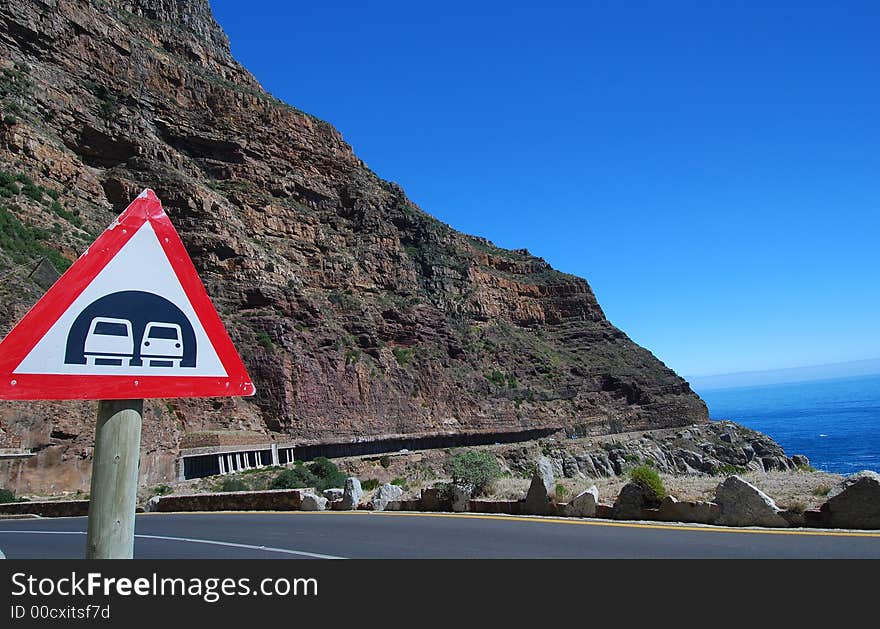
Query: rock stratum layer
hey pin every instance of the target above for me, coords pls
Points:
(357, 314)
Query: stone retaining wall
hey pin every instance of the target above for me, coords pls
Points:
(269, 500)
(47, 508)
(512, 507)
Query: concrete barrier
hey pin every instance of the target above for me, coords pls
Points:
(47, 508)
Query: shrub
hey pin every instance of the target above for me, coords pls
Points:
(322, 467)
(6, 495)
(797, 506)
(385, 461)
(400, 482)
(32, 191)
(370, 484)
(23, 242)
(404, 355)
(161, 490)
(729, 470)
(344, 300)
(326, 473)
(9, 189)
(476, 468)
(445, 490)
(648, 478)
(822, 490)
(352, 356)
(561, 491)
(233, 484)
(295, 478)
(71, 217)
(265, 340)
(496, 377)
(321, 474)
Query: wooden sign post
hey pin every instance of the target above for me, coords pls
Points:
(113, 494)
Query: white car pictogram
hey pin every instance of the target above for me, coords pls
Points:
(162, 345)
(109, 342)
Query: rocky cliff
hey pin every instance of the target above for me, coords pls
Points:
(358, 314)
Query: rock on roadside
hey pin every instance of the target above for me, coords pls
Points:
(743, 504)
(674, 510)
(855, 502)
(584, 504)
(632, 499)
(333, 494)
(352, 494)
(313, 502)
(460, 496)
(538, 499)
(385, 494)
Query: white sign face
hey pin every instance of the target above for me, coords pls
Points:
(133, 319)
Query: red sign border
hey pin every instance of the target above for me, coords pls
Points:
(37, 322)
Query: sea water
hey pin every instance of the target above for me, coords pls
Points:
(836, 423)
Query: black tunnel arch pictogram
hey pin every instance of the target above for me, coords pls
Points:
(140, 309)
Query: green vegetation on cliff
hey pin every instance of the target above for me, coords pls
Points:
(23, 242)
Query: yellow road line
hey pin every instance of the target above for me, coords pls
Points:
(551, 520)
(637, 525)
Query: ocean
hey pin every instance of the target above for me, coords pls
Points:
(836, 423)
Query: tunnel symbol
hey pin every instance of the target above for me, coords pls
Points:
(131, 328)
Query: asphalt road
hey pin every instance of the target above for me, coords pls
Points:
(298, 535)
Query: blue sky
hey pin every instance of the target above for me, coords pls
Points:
(712, 168)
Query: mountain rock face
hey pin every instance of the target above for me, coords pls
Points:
(357, 314)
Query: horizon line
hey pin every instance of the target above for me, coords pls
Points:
(778, 369)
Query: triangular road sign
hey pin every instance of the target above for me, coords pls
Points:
(129, 320)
